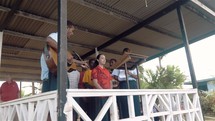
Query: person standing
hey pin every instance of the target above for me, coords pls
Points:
(48, 77)
(102, 80)
(119, 74)
(9, 90)
(115, 82)
(74, 78)
(87, 78)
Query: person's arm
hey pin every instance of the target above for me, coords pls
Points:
(111, 85)
(115, 74)
(132, 75)
(96, 84)
(83, 64)
(18, 91)
(95, 79)
(53, 44)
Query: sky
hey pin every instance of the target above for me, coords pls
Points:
(202, 57)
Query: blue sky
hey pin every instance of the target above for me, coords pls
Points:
(203, 57)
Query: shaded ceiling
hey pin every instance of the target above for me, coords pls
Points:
(147, 27)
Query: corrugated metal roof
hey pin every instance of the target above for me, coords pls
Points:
(96, 22)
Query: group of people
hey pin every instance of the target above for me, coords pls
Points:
(94, 75)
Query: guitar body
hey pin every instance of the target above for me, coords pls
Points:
(51, 61)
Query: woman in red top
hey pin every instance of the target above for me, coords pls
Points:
(101, 76)
(102, 80)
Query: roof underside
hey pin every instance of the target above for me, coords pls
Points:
(147, 27)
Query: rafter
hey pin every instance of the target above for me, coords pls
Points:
(22, 49)
(204, 7)
(200, 13)
(10, 15)
(81, 28)
(7, 57)
(21, 76)
(19, 67)
(139, 26)
(24, 35)
(98, 6)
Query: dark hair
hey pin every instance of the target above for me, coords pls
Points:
(97, 58)
(126, 50)
(69, 24)
(90, 61)
(112, 59)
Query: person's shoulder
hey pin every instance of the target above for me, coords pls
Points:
(95, 69)
(53, 35)
(14, 82)
(4, 83)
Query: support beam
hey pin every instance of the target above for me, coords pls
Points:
(139, 26)
(200, 13)
(204, 7)
(1, 42)
(62, 79)
(187, 48)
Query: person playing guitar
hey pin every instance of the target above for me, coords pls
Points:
(48, 60)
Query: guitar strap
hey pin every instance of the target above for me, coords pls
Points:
(46, 50)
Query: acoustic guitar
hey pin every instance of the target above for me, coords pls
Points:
(51, 61)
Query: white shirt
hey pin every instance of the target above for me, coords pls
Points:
(74, 77)
(120, 73)
(54, 36)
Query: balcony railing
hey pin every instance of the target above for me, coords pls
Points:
(171, 105)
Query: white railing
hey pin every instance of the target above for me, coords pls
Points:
(32, 108)
(172, 105)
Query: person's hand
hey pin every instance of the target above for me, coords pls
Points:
(129, 73)
(84, 64)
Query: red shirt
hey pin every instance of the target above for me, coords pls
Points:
(103, 76)
(9, 91)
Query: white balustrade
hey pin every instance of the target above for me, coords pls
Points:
(171, 105)
(32, 108)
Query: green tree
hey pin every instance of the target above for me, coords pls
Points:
(169, 77)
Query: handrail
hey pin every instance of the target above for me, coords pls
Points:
(172, 105)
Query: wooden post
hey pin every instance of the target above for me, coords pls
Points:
(1, 41)
(33, 88)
